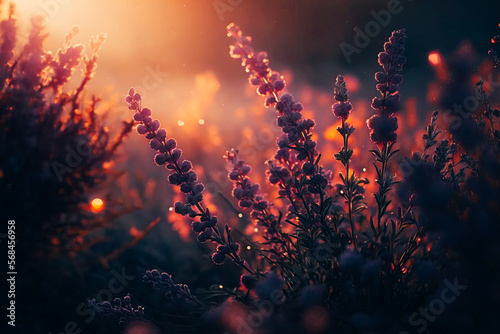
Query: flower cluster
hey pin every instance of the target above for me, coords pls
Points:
(54, 142)
(296, 130)
(118, 309)
(384, 124)
(342, 107)
(269, 83)
(334, 261)
(167, 153)
(351, 189)
(295, 168)
(66, 60)
(249, 196)
(183, 175)
(163, 283)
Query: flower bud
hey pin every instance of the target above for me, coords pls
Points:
(176, 154)
(218, 258)
(171, 144)
(161, 134)
(160, 159)
(279, 85)
(141, 129)
(155, 125)
(155, 144)
(186, 166)
(146, 112)
(138, 117)
(233, 175)
(197, 227)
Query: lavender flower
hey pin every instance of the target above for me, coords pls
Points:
(352, 187)
(163, 283)
(342, 107)
(296, 130)
(119, 309)
(249, 196)
(383, 124)
(269, 83)
(183, 175)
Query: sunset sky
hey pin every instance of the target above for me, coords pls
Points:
(161, 46)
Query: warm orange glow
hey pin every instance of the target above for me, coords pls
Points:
(134, 232)
(331, 133)
(352, 83)
(434, 58)
(107, 165)
(97, 205)
(412, 112)
(432, 92)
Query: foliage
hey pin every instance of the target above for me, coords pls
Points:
(328, 262)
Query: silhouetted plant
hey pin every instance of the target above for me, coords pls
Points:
(54, 143)
(358, 269)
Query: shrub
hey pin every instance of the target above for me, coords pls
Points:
(55, 146)
(328, 262)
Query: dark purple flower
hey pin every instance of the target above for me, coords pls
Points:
(383, 129)
(342, 107)
(182, 175)
(383, 125)
(268, 82)
(163, 283)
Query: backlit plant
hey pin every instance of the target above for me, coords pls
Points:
(327, 262)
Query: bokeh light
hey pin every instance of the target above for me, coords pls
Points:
(97, 205)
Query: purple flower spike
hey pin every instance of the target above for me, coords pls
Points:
(383, 124)
(249, 196)
(342, 107)
(268, 82)
(183, 175)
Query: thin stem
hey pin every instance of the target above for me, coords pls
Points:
(382, 190)
(347, 181)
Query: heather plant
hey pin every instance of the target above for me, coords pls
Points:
(55, 144)
(325, 261)
(55, 154)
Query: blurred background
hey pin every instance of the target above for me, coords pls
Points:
(187, 38)
(175, 53)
